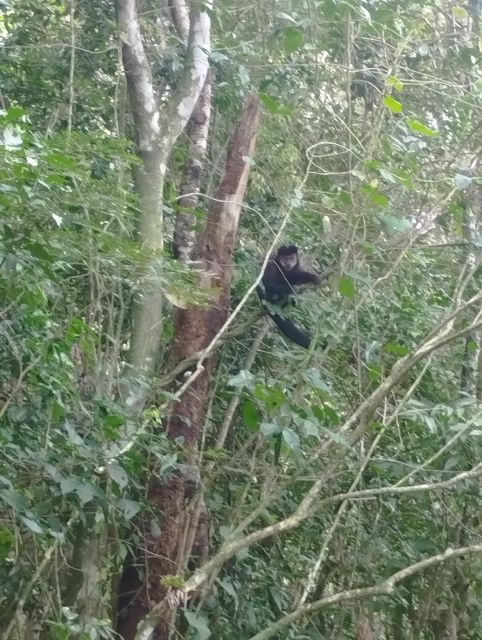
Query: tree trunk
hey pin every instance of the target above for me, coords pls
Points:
(194, 329)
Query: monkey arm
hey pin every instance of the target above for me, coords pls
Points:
(304, 277)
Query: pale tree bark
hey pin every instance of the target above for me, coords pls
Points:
(195, 328)
(180, 17)
(197, 133)
(364, 630)
(157, 129)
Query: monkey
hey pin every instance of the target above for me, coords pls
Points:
(283, 272)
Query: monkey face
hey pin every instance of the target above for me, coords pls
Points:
(288, 262)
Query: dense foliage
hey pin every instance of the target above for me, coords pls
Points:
(369, 143)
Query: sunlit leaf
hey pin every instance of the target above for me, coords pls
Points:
(392, 104)
(284, 16)
(459, 12)
(69, 484)
(175, 300)
(326, 225)
(419, 127)
(392, 81)
(85, 493)
(14, 114)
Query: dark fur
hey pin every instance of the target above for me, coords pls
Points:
(279, 283)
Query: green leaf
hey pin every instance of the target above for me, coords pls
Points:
(376, 196)
(462, 181)
(313, 377)
(419, 127)
(228, 586)
(459, 12)
(7, 540)
(118, 474)
(129, 508)
(38, 251)
(269, 429)
(291, 439)
(242, 379)
(13, 499)
(14, 114)
(250, 415)
(113, 421)
(85, 493)
(31, 524)
(60, 160)
(396, 349)
(471, 346)
(275, 107)
(310, 428)
(392, 104)
(293, 39)
(272, 395)
(392, 81)
(69, 484)
(346, 287)
(199, 623)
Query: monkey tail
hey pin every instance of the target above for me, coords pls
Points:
(291, 331)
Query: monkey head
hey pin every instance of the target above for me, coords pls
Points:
(288, 257)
